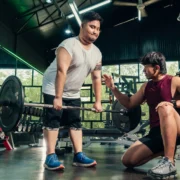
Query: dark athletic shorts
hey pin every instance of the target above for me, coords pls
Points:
(56, 118)
(154, 140)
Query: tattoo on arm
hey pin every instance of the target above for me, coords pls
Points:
(98, 67)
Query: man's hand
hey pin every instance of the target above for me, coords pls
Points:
(57, 103)
(163, 103)
(97, 106)
(108, 80)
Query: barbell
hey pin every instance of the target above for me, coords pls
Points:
(12, 105)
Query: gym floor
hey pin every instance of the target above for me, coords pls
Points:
(25, 163)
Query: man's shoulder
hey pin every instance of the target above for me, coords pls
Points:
(176, 79)
(70, 39)
(169, 76)
(96, 49)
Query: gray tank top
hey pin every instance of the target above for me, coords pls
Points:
(83, 62)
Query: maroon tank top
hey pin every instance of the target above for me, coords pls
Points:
(156, 92)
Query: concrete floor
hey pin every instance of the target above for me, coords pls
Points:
(25, 163)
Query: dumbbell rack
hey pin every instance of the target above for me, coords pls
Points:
(27, 125)
(30, 126)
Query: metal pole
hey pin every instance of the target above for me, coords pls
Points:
(74, 108)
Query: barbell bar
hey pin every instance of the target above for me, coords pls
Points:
(11, 103)
(75, 108)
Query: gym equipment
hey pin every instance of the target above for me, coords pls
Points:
(126, 122)
(10, 114)
(105, 136)
(12, 106)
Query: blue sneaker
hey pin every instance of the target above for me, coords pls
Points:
(80, 159)
(52, 163)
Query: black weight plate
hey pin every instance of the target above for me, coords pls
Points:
(11, 92)
(126, 122)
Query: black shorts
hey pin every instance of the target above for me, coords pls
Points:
(67, 117)
(154, 140)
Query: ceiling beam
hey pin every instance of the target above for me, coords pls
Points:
(35, 27)
(35, 10)
(49, 15)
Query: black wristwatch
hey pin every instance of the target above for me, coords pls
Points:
(174, 103)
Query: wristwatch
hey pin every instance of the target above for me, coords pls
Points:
(174, 103)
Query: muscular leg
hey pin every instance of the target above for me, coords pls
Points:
(76, 138)
(79, 158)
(138, 154)
(50, 137)
(51, 125)
(170, 129)
(52, 162)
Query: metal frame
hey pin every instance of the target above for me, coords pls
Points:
(32, 12)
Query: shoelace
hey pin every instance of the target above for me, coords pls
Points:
(83, 156)
(55, 157)
(161, 163)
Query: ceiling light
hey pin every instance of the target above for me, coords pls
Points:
(67, 31)
(139, 15)
(91, 7)
(75, 11)
(49, 1)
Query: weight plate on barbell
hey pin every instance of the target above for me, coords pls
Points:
(11, 92)
(126, 122)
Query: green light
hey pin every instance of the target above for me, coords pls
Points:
(19, 58)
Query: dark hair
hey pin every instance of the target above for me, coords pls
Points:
(91, 16)
(155, 58)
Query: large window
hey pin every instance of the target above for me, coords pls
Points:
(4, 73)
(25, 75)
(38, 78)
(129, 69)
(172, 67)
(33, 94)
(142, 77)
(112, 70)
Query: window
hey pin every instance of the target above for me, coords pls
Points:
(4, 73)
(172, 67)
(25, 75)
(38, 78)
(129, 69)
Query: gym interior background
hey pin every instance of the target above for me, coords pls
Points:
(30, 30)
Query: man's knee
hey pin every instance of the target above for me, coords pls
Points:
(50, 128)
(128, 161)
(75, 125)
(165, 110)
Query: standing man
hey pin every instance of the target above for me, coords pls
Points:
(164, 133)
(76, 58)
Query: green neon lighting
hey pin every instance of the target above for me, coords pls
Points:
(20, 59)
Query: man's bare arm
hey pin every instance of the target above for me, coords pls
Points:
(175, 90)
(96, 82)
(63, 63)
(128, 102)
